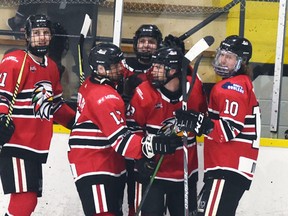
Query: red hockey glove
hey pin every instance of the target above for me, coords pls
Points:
(153, 144)
(195, 122)
(6, 132)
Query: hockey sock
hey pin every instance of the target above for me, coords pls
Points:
(131, 210)
(22, 204)
(105, 214)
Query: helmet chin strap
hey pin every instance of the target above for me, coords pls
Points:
(39, 51)
(144, 57)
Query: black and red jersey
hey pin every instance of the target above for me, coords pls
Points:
(153, 111)
(37, 103)
(232, 147)
(100, 132)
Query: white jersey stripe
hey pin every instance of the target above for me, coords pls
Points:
(23, 175)
(103, 197)
(214, 197)
(96, 200)
(16, 178)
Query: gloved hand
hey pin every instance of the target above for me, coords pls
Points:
(145, 169)
(6, 132)
(195, 122)
(173, 41)
(160, 144)
(133, 81)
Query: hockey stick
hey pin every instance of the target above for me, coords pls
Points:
(209, 19)
(198, 48)
(149, 185)
(83, 34)
(15, 91)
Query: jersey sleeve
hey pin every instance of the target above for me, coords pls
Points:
(9, 71)
(63, 114)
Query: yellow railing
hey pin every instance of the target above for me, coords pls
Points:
(265, 142)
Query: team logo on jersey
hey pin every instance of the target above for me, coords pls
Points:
(234, 87)
(42, 98)
(158, 106)
(32, 68)
(169, 127)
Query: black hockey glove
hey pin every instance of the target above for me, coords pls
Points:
(153, 144)
(172, 41)
(145, 169)
(6, 132)
(195, 122)
(133, 81)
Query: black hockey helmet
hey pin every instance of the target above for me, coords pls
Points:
(37, 21)
(105, 54)
(171, 58)
(146, 30)
(240, 47)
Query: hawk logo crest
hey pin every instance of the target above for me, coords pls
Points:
(42, 99)
(169, 127)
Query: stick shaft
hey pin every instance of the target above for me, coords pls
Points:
(149, 185)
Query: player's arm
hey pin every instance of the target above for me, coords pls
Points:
(9, 71)
(112, 123)
(62, 113)
(65, 116)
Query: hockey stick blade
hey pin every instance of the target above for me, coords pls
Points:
(86, 25)
(83, 34)
(199, 47)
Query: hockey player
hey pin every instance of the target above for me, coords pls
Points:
(232, 130)
(146, 41)
(26, 139)
(100, 138)
(152, 110)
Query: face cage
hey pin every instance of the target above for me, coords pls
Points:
(39, 51)
(156, 82)
(223, 71)
(116, 75)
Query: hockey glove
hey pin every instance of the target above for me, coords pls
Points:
(153, 144)
(195, 122)
(145, 169)
(133, 81)
(6, 132)
(172, 41)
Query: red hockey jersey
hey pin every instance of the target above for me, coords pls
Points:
(153, 112)
(231, 149)
(39, 97)
(100, 133)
